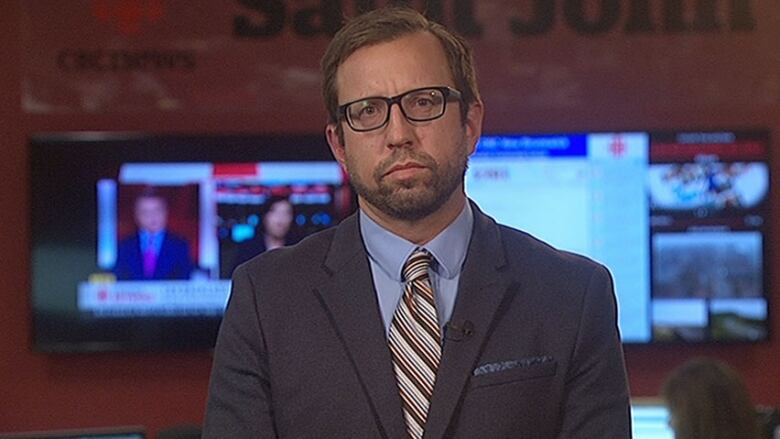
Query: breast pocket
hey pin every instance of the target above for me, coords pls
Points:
(514, 374)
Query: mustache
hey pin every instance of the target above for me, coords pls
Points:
(404, 155)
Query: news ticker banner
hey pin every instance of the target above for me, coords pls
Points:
(154, 298)
(86, 56)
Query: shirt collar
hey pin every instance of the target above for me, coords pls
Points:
(389, 251)
(148, 237)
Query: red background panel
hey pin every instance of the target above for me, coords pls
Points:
(215, 83)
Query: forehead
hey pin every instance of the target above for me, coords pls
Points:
(393, 67)
(149, 202)
(280, 204)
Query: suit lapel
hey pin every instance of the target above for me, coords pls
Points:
(481, 291)
(349, 297)
(136, 258)
(164, 260)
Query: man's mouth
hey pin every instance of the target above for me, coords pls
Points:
(404, 167)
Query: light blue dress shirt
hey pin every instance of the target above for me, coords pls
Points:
(388, 252)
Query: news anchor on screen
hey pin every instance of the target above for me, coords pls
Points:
(277, 230)
(152, 252)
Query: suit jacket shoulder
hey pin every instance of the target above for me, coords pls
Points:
(544, 338)
(298, 261)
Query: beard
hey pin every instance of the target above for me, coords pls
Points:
(415, 198)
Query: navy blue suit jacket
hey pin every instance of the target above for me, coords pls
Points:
(535, 353)
(173, 261)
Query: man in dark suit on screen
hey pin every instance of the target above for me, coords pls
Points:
(418, 316)
(152, 253)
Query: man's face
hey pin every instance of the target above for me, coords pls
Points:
(278, 219)
(151, 214)
(406, 170)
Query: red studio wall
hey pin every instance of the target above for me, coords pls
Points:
(226, 67)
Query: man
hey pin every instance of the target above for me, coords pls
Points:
(152, 253)
(484, 332)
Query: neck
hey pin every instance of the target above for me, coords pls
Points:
(272, 242)
(422, 230)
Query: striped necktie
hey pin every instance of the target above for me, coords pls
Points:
(415, 342)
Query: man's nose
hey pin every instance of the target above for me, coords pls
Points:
(399, 129)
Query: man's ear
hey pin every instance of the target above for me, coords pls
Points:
(473, 124)
(335, 142)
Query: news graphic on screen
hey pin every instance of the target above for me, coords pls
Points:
(679, 218)
(709, 202)
(184, 227)
(136, 250)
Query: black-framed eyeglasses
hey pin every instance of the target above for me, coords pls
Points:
(418, 105)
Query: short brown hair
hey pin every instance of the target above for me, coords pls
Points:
(387, 24)
(151, 192)
(708, 400)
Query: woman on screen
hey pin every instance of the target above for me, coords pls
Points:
(276, 221)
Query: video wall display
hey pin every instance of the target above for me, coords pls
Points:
(680, 218)
(135, 237)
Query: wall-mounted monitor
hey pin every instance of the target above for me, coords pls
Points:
(134, 236)
(680, 218)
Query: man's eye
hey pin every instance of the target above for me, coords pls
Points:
(368, 110)
(423, 102)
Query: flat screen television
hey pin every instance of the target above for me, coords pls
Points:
(97, 197)
(680, 218)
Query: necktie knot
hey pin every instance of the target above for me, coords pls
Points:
(416, 267)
